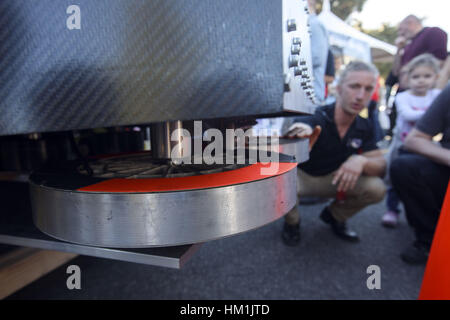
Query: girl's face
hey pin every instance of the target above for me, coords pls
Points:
(421, 79)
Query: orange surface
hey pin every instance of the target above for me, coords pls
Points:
(222, 179)
(436, 280)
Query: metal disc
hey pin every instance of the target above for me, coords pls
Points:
(151, 219)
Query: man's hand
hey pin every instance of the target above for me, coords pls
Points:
(400, 42)
(303, 130)
(349, 173)
(299, 130)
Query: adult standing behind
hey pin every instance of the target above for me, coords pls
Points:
(319, 51)
(344, 160)
(414, 39)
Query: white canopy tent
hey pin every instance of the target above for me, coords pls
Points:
(353, 42)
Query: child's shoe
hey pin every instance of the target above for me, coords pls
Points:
(390, 219)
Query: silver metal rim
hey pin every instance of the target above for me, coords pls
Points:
(138, 220)
(298, 148)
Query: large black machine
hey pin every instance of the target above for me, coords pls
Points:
(91, 95)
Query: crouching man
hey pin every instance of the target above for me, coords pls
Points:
(345, 163)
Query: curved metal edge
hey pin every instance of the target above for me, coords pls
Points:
(161, 219)
(299, 148)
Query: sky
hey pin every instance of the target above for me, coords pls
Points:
(375, 12)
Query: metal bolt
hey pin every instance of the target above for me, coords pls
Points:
(287, 81)
(295, 49)
(287, 87)
(291, 25)
(293, 61)
(297, 40)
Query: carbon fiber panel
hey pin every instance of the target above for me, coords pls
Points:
(136, 61)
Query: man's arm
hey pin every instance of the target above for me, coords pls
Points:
(375, 164)
(421, 143)
(405, 110)
(370, 163)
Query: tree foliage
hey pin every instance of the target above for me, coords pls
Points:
(386, 33)
(343, 8)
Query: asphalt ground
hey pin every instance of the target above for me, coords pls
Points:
(256, 265)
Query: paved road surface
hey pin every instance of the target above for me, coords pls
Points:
(256, 265)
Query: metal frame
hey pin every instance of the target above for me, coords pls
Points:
(27, 235)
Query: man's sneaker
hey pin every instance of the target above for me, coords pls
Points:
(291, 234)
(416, 254)
(390, 219)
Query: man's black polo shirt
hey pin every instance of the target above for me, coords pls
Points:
(330, 151)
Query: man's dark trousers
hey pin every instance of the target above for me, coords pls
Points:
(421, 185)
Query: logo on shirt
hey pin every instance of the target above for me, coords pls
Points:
(355, 143)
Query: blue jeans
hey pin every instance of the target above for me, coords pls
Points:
(392, 200)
